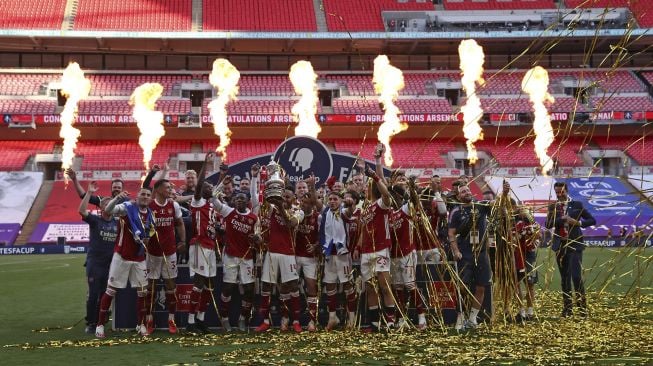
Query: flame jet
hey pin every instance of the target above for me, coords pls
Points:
(471, 67)
(388, 81)
(304, 80)
(536, 84)
(149, 121)
(225, 78)
(75, 87)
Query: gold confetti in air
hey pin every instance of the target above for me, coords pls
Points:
(304, 80)
(223, 77)
(149, 121)
(471, 67)
(536, 84)
(388, 82)
(75, 87)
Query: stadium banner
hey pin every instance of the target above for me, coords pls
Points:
(300, 156)
(99, 119)
(173, 119)
(8, 233)
(43, 249)
(612, 203)
(51, 232)
(18, 118)
(18, 190)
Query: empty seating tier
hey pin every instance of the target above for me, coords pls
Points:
(139, 15)
(259, 16)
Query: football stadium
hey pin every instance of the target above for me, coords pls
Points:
(310, 182)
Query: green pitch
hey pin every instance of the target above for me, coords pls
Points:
(47, 293)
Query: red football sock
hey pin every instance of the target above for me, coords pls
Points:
(195, 299)
(351, 300)
(295, 306)
(205, 299)
(264, 309)
(105, 304)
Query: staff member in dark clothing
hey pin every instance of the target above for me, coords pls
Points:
(467, 225)
(567, 217)
(103, 230)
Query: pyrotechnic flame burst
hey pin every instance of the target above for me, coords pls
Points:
(304, 80)
(149, 121)
(223, 77)
(388, 81)
(471, 67)
(75, 87)
(535, 84)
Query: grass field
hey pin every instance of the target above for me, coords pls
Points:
(48, 293)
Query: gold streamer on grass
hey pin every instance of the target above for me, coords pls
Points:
(619, 333)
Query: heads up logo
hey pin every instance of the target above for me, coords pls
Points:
(301, 156)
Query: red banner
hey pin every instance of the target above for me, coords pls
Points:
(98, 119)
(412, 118)
(19, 118)
(183, 297)
(442, 294)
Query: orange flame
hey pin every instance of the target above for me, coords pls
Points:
(149, 121)
(388, 81)
(536, 84)
(75, 87)
(304, 80)
(223, 77)
(471, 67)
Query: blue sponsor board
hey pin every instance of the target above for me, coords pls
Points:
(613, 203)
(43, 249)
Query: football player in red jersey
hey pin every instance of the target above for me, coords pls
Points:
(373, 249)
(404, 257)
(135, 229)
(280, 257)
(335, 228)
(306, 243)
(162, 251)
(241, 239)
(202, 252)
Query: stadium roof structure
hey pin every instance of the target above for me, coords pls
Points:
(566, 40)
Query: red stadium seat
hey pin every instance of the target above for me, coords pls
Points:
(259, 16)
(142, 15)
(637, 147)
(407, 153)
(31, 14)
(16, 153)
